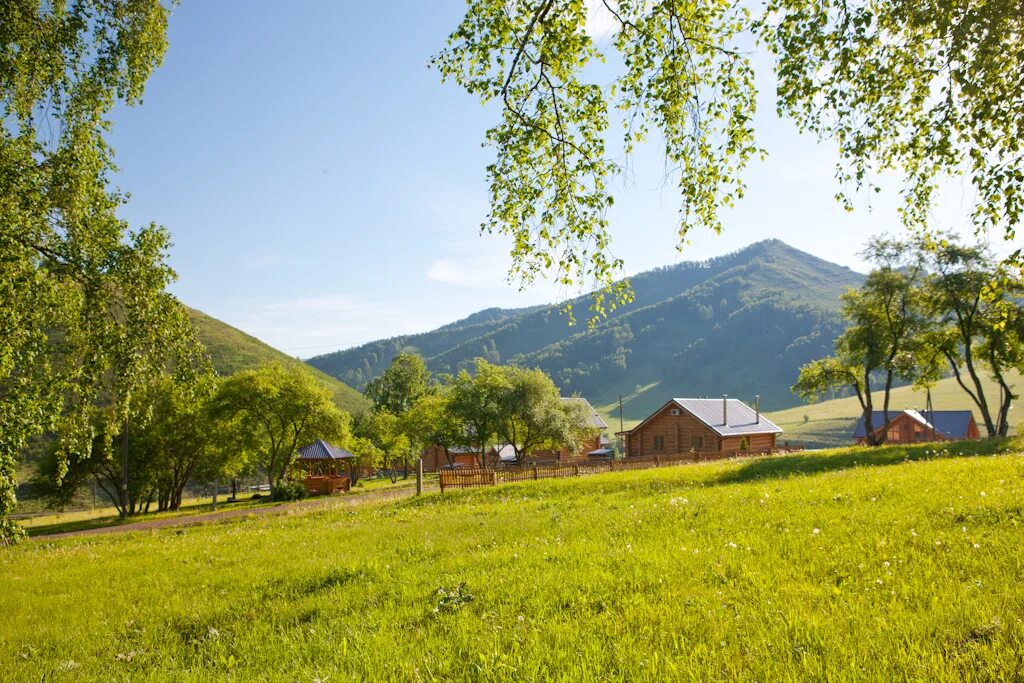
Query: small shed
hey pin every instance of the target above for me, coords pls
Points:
(326, 467)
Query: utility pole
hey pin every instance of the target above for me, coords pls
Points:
(621, 428)
(419, 477)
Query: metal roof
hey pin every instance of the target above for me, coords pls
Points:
(595, 420)
(741, 418)
(952, 424)
(321, 450)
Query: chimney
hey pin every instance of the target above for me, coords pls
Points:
(725, 409)
(757, 408)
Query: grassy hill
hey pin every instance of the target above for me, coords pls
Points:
(740, 324)
(830, 423)
(232, 350)
(880, 564)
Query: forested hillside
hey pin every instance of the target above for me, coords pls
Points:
(740, 324)
(232, 350)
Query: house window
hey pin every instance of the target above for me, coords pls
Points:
(894, 434)
(697, 443)
(659, 443)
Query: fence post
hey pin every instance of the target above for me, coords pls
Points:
(657, 461)
(419, 477)
(611, 465)
(576, 470)
(535, 472)
(440, 479)
(494, 477)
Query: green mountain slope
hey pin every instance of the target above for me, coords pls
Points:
(740, 324)
(232, 350)
(830, 423)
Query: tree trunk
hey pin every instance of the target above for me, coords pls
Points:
(869, 427)
(124, 509)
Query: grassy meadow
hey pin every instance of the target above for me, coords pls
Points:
(896, 563)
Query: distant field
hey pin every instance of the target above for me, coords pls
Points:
(887, 564)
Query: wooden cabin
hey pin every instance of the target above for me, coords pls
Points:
(706, 428)
(917, 426)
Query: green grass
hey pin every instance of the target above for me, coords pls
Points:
(831, 423)
(886, 564)
(232, 350)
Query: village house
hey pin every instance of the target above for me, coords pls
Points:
(594, 445)
(915, 426)
(706, 428)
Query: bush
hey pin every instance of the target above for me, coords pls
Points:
(288, 490)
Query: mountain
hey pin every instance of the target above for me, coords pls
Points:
(740, 324)
(232, 350)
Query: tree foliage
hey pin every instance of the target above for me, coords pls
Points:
(977, 325)
(926, 89)
(683, 77)
(404, 381)
(272, 411)
(930, 90)
(71, 273)
(925, 310)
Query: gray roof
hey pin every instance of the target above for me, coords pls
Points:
(952, 424)
(742, 419)
(595, 420)
(321, 450)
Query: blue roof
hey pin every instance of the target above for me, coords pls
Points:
(952, 424)
(321, 450)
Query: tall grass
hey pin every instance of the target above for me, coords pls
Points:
(888, 564)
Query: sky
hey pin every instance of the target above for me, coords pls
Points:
(323, 188)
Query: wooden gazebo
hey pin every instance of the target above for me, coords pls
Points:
(326, 468)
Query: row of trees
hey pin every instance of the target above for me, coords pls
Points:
(495, 404)
(206, 430)
(927, 310)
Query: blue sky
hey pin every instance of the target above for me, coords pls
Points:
(324, 189)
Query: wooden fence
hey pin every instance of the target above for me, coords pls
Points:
(471, 478)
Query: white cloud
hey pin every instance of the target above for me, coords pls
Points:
(466, 274)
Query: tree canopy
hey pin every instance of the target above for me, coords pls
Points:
(272, 411)
(927, 90)
(78, 288)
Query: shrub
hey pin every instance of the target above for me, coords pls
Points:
(288, 490)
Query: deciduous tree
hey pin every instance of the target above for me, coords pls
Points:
(275, 410)
(67, 262)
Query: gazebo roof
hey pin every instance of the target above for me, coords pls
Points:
(321, 450)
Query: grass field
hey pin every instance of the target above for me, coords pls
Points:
(53, 522)
(852, 564)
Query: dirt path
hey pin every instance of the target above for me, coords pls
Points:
(300, 507)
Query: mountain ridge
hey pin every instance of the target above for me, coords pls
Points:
(738, 323)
